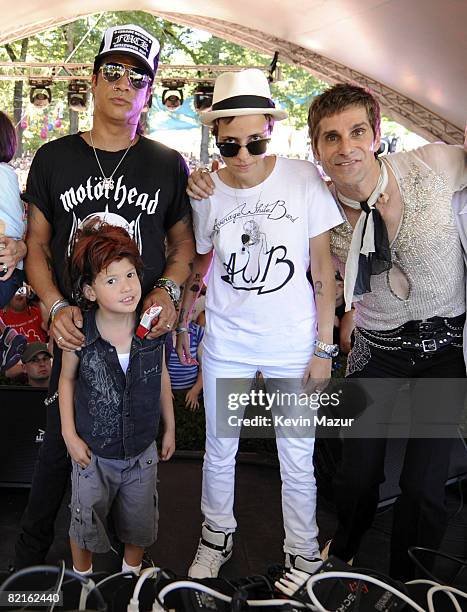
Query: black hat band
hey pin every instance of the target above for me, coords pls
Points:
(243, 102)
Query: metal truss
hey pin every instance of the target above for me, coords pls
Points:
(68, 71)
(394, 105)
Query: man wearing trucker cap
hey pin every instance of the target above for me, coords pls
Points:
(113, 172)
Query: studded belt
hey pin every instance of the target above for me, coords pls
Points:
(426, 336)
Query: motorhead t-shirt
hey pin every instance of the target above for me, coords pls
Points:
(260, 307)
(148, 196)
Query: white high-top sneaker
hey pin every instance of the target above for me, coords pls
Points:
(214, 549)
(309, 566)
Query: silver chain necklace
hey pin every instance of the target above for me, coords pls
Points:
(108, 183)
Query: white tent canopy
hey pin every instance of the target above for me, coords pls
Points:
(411, 53)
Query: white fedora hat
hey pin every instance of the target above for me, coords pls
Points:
(241, 93)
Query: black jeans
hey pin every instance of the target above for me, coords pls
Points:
(420, 516)
(51, 476)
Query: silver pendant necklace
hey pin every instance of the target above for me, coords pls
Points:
(108, 183)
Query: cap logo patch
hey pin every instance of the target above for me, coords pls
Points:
(129, 40)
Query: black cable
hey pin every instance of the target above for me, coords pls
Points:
(58, 583)
(435, 553)
(461, 503)
(35, 569)
(238, 599)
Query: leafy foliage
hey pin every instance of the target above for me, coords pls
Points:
(179, 44)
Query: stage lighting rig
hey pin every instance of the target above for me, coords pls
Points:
(203, 96)
(78, 94)
(40, 94)
(172, 96)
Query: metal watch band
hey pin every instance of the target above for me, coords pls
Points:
(171, 287)
(330, 349)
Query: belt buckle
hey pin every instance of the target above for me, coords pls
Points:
(429, 346)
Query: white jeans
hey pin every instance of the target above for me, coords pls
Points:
(295, 456)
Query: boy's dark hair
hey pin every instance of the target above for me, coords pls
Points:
(7, 138)
(97, 245)
(337, 99)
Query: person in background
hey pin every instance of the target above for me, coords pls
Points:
(12, 218)
(12, 246)
(37, 365)
(186, 378)
(24, 315)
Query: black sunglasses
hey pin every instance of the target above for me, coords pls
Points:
(231, 149)
(113, 71)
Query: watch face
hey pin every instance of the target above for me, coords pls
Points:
(176, 290)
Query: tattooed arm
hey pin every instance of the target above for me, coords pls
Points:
(191, 292)
(323, 274)
(180, 250)
(179, 262)
(38, 262)
(39, 271)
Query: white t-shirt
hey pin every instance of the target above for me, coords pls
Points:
(124, 359)
(259, 304)
(11, 206)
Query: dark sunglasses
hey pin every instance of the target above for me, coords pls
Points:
(231, 149)
(113, 71)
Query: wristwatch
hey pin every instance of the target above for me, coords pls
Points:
(330, 349)
(171, 287)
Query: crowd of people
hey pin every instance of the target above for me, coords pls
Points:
(111, 233)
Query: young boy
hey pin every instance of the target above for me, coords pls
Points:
(109, 406)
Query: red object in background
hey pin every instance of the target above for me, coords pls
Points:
(148, 320)
(27, 322)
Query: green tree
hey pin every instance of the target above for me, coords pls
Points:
(179, 44)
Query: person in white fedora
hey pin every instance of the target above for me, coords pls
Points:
(267, 223)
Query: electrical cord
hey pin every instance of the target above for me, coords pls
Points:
(58, 585)
(107, 579)
(86, 583)
(356, 576)
(133, 605)
(454, 601)
(442, 589)
(55, 590)
(413, 557)
(254, 603)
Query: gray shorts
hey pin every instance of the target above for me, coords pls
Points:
(125, 488)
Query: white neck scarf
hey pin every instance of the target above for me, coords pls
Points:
(363, 242)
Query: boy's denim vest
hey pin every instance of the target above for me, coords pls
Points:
(117, 415)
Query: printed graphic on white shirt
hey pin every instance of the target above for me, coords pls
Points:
(258, 291)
